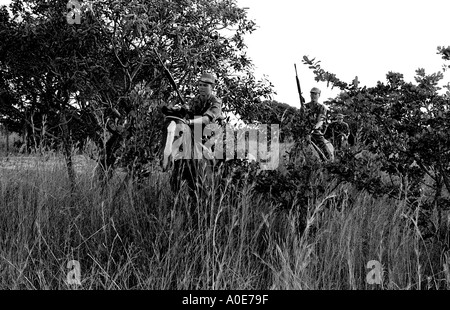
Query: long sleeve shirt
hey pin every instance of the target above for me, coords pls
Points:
(315, 113)
(210, 106)
(337, 128)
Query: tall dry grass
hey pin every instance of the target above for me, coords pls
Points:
(142, 236)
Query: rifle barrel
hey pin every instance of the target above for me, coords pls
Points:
(298, 87)
(170, 77)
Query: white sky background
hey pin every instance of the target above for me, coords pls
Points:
(361, 38)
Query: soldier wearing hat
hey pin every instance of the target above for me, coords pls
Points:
(316, 114)
(339, 131)
(206, 107)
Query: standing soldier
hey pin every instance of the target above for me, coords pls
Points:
(316, 115)
(206, 105)
(205, 108)
(339, 131)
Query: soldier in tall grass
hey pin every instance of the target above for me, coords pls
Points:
(205, 108)
(316, 114)
(339, 131)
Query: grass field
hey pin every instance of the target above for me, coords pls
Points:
(129, 236)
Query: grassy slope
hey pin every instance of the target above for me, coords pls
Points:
(127, 236)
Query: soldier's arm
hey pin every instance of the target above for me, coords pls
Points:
(199, 120)
(321, 118)
(320, 121)
(215, 111)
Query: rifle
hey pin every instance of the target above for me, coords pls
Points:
(302, 100)
(170, 77)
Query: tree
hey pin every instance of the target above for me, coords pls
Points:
(406, 125)
(106, 77)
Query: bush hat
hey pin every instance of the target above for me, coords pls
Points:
(208, 78)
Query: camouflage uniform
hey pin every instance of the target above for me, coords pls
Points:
(188, 169)
(337, 131)
(316, 112)
(211, 107)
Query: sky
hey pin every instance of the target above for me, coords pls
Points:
(350, 37)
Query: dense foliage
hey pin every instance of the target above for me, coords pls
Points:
(106, 77)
